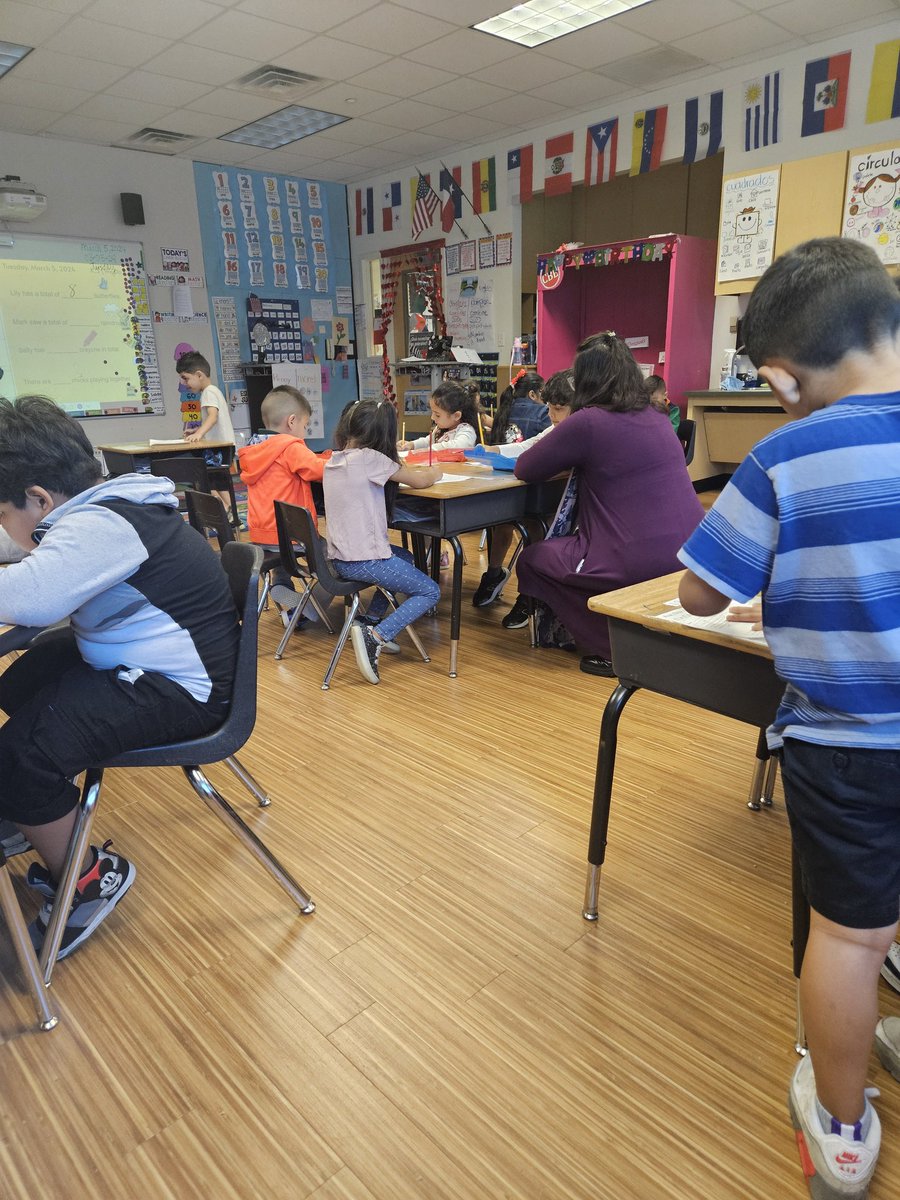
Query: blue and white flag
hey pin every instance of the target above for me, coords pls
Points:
(702, 127)
(762, 98)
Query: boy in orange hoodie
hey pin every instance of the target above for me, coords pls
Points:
(277, 465)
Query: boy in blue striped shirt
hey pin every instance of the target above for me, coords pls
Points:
(811, 519)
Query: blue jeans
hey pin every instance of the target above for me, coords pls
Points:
(397, 574)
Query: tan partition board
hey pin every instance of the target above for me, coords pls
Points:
(730, 436)
(811, 199)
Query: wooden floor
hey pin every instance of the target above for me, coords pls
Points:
(445, 1025)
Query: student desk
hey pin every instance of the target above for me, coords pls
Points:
(121, 458)
(485, 499)
(725, 674)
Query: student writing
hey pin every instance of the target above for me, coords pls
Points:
(455, 420)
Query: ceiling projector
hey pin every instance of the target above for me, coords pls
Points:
(19, 201)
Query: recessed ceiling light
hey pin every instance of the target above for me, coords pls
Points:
(539, 21)
(10, 54)
(287, 125)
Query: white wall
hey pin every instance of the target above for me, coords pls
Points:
(792, 146)
(82, 185)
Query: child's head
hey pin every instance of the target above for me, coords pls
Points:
(525, 383)
(451, 404)
(473, 391)
(606, 376)
(558, 394)
(658, 392)
(45, 457)
(193, 370)
(818, 311)
(286, 410)
(368, 424)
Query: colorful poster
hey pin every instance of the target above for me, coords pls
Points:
(292, 192)
(872, 204)
(270, 183)
(313, 195)
(277, 240)
(300, 253)
(223, 188)
(308, 380)
(226, 214)
(245, 186)
(485, 252)
(248, 212)
(747, 225)
(226, 326)
(274, 219)
(257, 278)
(174, 259)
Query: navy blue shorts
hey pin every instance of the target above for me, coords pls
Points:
(844, 807)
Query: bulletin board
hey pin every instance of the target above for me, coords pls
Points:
(276, 251)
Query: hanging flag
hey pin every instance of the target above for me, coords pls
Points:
(600, 152)
(484, 185)
(451, 193)
(365, 211)
(647, 136)
(425, 205)
(825, 94)
(390, 206)
(884, 89)
(762, 99)
(520, 175)
(558, 164)
(702, 127)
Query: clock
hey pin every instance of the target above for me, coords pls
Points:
(261, 339)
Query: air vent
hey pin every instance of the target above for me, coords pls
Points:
(277, 81)
(651, 66)
(158, 141)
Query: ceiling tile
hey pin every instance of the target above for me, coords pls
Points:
(465, 94)
(360, 132)
(807, 17)
(410, 114)
(578, 91)
(330, 58)
(323, 146)
(736, 39)
(414, 142)
(29, 26)
(116, 108)
(464, 12)
(394, 30)
(69, 71)
(665, 20)
(465, 127)
(601, 44)
(225, 153)
(18, 119)
(174, 17)
(287, 161)
(255, 37)
(238, 106)
(403, 77)
(466, 46)
(317, 17)
(87, 129)
(94, 40)
(523, 113)
(33, 93)
(336, 172)
(63, 6)
(374, 156)
(199, 124)
(346, 100)
(158, 89)
(182, 60)
(524, 71)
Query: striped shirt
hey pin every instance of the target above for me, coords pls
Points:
(811, 519)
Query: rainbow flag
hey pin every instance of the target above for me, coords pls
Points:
(648, 132)
(484, 185)
(884, 89)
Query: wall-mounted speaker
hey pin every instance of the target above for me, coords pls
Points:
(132, 208)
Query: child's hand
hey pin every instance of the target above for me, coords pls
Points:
(746, 612)
(195, 436)
(404, 445)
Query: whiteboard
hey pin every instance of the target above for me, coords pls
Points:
(75, 325)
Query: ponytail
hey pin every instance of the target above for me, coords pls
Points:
(520, 385)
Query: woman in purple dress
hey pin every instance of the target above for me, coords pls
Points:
(636, 503)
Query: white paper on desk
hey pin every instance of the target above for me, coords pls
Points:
(445, 478)
(714, 624)
(166, 441)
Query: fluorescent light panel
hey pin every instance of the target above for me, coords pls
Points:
(287, 125)
(539, 21)
(10, 54)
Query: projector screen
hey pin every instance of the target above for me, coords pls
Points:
(75, 325)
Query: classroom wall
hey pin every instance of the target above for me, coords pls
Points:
(792, 146)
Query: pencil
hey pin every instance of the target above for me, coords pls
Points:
(480, 428)
(430, 439)
(403, 433)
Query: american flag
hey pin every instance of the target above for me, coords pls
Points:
(426, 205)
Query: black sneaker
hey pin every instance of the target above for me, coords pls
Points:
(890, 968)
(490, 588)
(386, 646)
(366, 648)
(592, 664)
(517, 617)
(97, 893)
(12, 839)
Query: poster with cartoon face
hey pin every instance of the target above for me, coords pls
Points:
(747, 224)
(872, 203)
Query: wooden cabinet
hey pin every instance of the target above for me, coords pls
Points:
(658, 291)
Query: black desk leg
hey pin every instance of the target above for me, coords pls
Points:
(455, 601)
(800, 936)
(603, 781)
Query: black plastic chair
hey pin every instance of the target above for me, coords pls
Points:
(687, 435)
(208, 512)
(18, 931)
(298, 538)
(188, 470)
(241, 562)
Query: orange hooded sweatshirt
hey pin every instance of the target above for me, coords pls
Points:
(277, 466)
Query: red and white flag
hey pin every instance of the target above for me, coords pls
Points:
(558, 165)
(425, 205)
(600, 152)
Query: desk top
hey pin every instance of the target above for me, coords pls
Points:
(481, 479)
(644, 604)
(176, 446)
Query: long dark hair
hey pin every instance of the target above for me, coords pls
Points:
(453, 397)
(606, 376)
(525, 382)
(371, 425)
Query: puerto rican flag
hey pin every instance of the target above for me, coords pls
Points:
(520, 174)
(647, 136)
(702, 127)
(365, 211)
(391, 200)
(825, 94)
(600, 152)
(558, 164)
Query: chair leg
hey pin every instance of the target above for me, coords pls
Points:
(247, 780)
(47, 1015)
(65, 889)
(295, 617)
(264, 594)
(413, 636)
(341, 642)
(220, 806)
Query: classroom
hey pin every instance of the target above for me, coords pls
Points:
(367, 200)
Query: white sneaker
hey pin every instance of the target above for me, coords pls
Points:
(890, 968)
(887, 1043)
(835, 1169)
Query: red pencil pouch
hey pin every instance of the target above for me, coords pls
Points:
(421, 456)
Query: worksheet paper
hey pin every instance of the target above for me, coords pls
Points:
(715, 624)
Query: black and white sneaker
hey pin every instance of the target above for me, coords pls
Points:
(366, 648)
(517, 617)
(97, 893)
(890, 968)
(491, 587)
(12, 839)
(386, 647)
